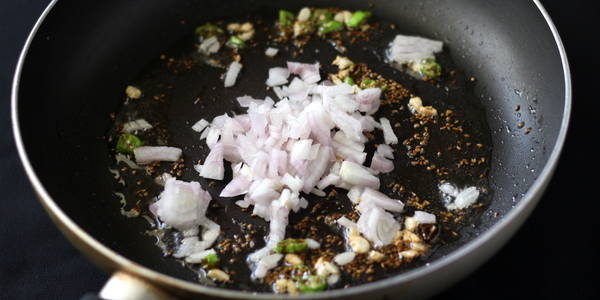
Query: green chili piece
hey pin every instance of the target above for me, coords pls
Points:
(291, 246)
(211, 260)
(286, 18)
(321, 16)
(358, 18)
(312, 284)
(208, 30)
(331, 26)
(349, 80)
(367, 83)
(236, 42)
(127, 142)
(430, 69)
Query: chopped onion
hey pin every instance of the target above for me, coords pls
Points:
(464, 199)
(271, 52)
(378, 226)
(355, 174)
(278, 76)
(123, 158)
(182, 204)
(148, 154)
(424, 217)
(368, 100)
(312, 244)
(267, 263)
(388, 133)
(197, 258)
(371, 197)
(346, 222)
(209, 46)
(137, 125)
(344, 258)
(200, 125)
(232, 73)
(407, 49)
(213, 165)
(308, 72)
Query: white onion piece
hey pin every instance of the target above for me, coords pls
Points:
(245, 101)
(312, 244)
(464, 199)
(318, 192)
(197, 258)
(182, 204)
(378, 226)
(267, 263)
(137, 125)
(385, 151)
(301, 150)
(371, 197)
(232, 73)
(209, 46)
(406, 49)
(148, 154)
(122, 158)
(277, 76)
(271, 52)
(424, 217)
(293, 182)
(308, 72)
(448, 189)
(344, 258)
(318, 168)
(200, 125)
(237, 186)
(213, 165)
(330, 179)
(381, 164)
(388, 133)
(369, 100)
(355, 193)
(356, 174)
(211, 232)
(346, 222)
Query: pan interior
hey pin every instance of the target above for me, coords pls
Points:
(78, 64)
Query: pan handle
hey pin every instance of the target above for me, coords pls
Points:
(122, 286)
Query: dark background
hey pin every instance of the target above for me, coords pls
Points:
(552, 256)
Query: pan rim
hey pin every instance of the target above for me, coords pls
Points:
(119, 262)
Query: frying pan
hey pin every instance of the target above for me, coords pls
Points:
(80, 55)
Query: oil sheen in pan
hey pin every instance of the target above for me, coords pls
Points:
(179, 89)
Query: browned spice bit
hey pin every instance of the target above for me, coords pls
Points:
(528, 130)
(517, 107)
(521, 124)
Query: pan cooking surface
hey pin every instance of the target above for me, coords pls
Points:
(179, 88)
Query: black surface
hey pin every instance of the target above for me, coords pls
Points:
(37, 262)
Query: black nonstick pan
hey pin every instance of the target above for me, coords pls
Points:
(81, 55)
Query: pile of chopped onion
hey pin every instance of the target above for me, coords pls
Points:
(310, 139)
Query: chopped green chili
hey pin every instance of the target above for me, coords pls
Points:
(358, 18)
(127, 142)
(331, 26)
(236, 42)
(312, 284)
(367, 83)
(349, 80)
(286, 18)
(211, 260)
(291, 246)
(208, 30)
(430, 69)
